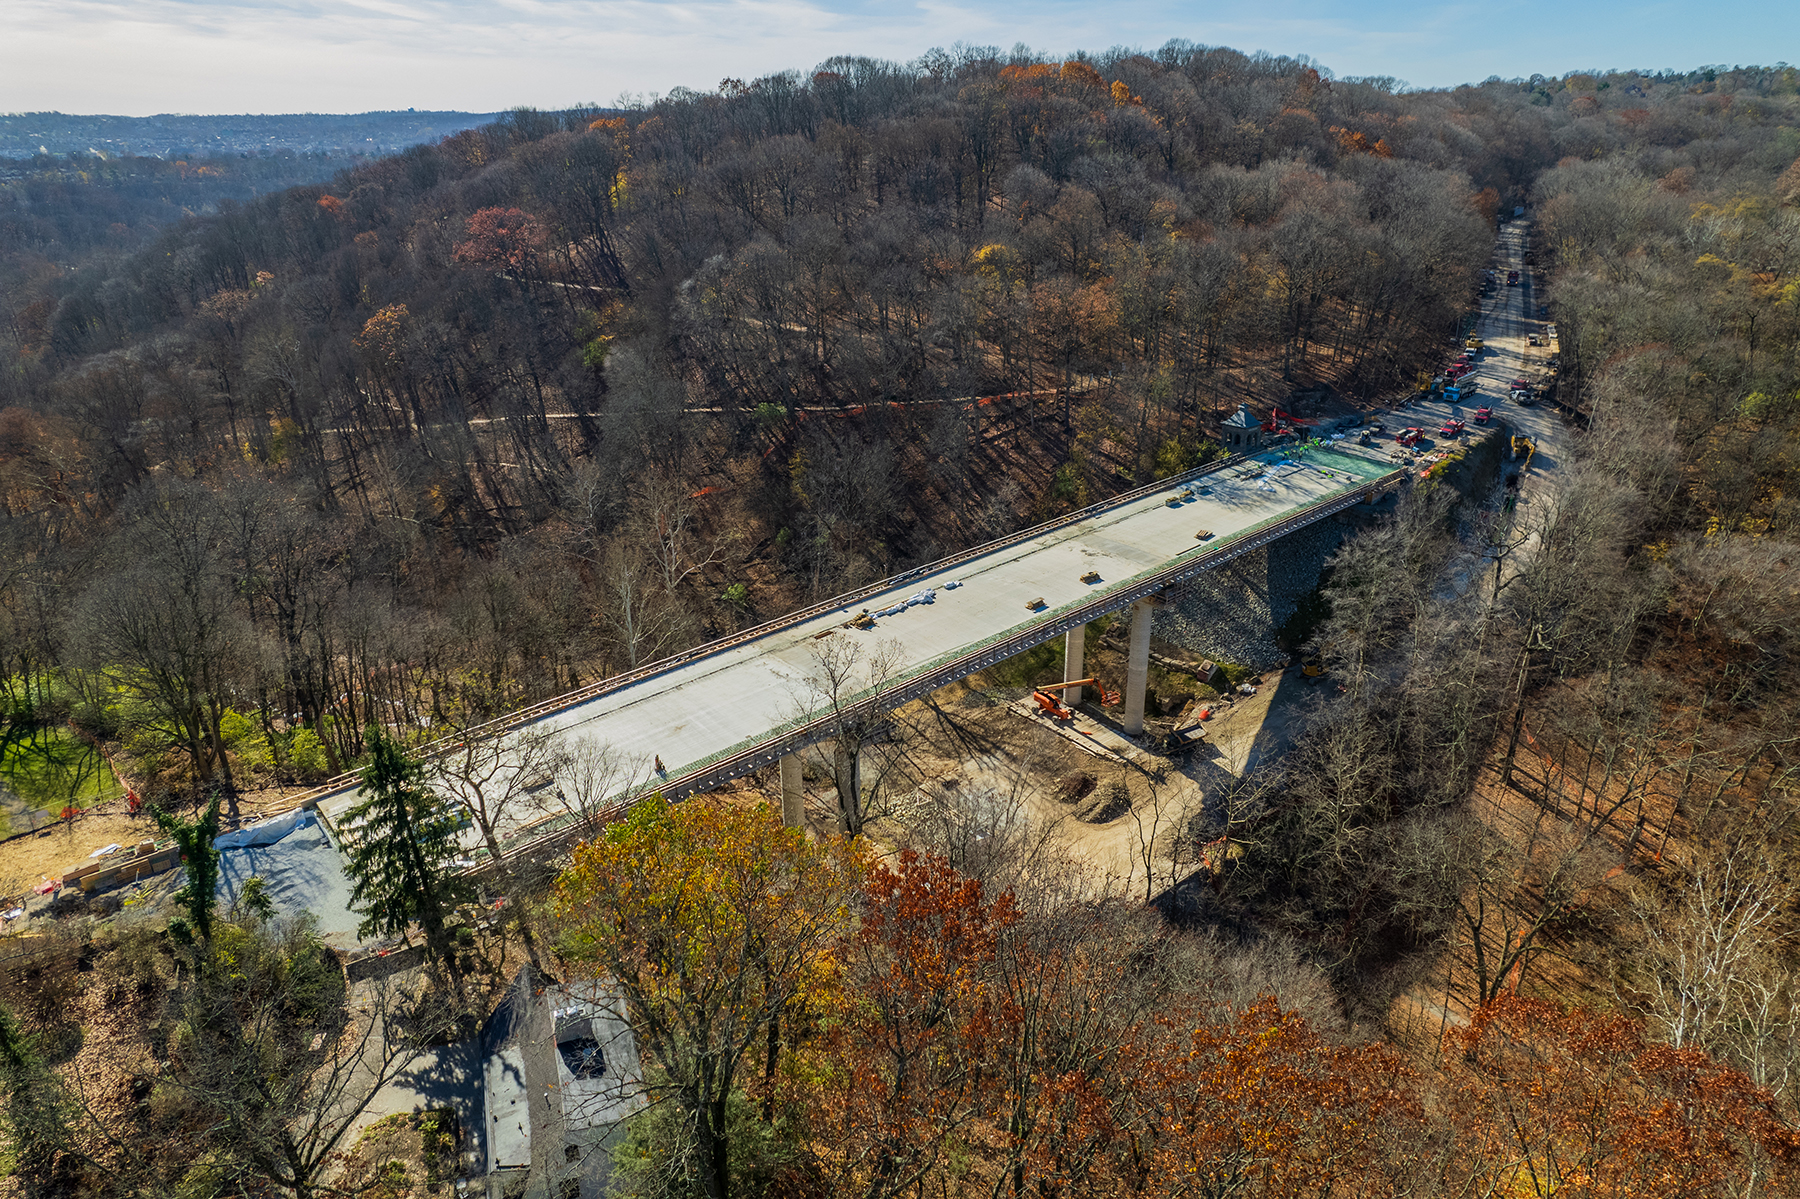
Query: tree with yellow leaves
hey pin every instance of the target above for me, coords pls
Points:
(717, 928)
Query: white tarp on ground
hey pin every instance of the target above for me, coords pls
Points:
(303, 873)
(266, 832)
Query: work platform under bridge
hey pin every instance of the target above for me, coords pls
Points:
(733, 706)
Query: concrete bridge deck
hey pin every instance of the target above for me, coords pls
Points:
(722, 710)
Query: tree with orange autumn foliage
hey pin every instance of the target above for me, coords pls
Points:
(1081, 74)
(1122, 96)
(382, 334)
(1487, 203)
(918, 1014)
(1544, 1100)
(1071, 998)
(716, 928)
(1352, 142)
(1257, 1103)
(509, 238)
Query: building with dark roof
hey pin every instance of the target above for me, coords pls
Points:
(1241, 432)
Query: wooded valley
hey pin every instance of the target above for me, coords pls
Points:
(461, 429)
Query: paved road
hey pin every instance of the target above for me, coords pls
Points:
(1507, 318)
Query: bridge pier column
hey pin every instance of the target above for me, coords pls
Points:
(1074, 649)
(1137, 663)
(793, 795)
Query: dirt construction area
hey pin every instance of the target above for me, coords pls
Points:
(27, 861)
(976, 773)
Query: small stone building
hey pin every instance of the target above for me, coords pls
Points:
(562, 1076)
(1242, 433)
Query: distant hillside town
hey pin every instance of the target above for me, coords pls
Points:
(170, 135)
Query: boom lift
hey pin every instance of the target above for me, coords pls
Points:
(1051, 705)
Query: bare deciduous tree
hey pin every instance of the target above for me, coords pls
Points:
(504, 782)
(845, 672)
(1716, 972)
(285, 1056)
(597, 782)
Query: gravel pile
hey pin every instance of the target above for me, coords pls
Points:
(1232, 614)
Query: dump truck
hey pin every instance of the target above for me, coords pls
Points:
(1182, 739)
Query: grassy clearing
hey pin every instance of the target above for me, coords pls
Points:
(51, 768)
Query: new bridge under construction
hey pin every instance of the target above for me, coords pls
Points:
(736, 705)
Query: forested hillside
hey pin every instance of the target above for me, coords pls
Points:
(570, 391)
(1512, 910)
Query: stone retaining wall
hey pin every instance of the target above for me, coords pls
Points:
(1232, 614)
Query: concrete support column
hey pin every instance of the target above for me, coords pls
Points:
(1137, 663)
(1074, 647)
(793, 794)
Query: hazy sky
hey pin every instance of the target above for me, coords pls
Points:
(137, 57)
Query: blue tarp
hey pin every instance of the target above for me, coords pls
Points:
(266, 832)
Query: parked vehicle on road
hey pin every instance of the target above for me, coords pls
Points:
(1482, 415)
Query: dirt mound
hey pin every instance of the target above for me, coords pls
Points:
(1107, 806)
(1075, 786)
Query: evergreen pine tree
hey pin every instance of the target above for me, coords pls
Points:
(200, 861)
(400, 846)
